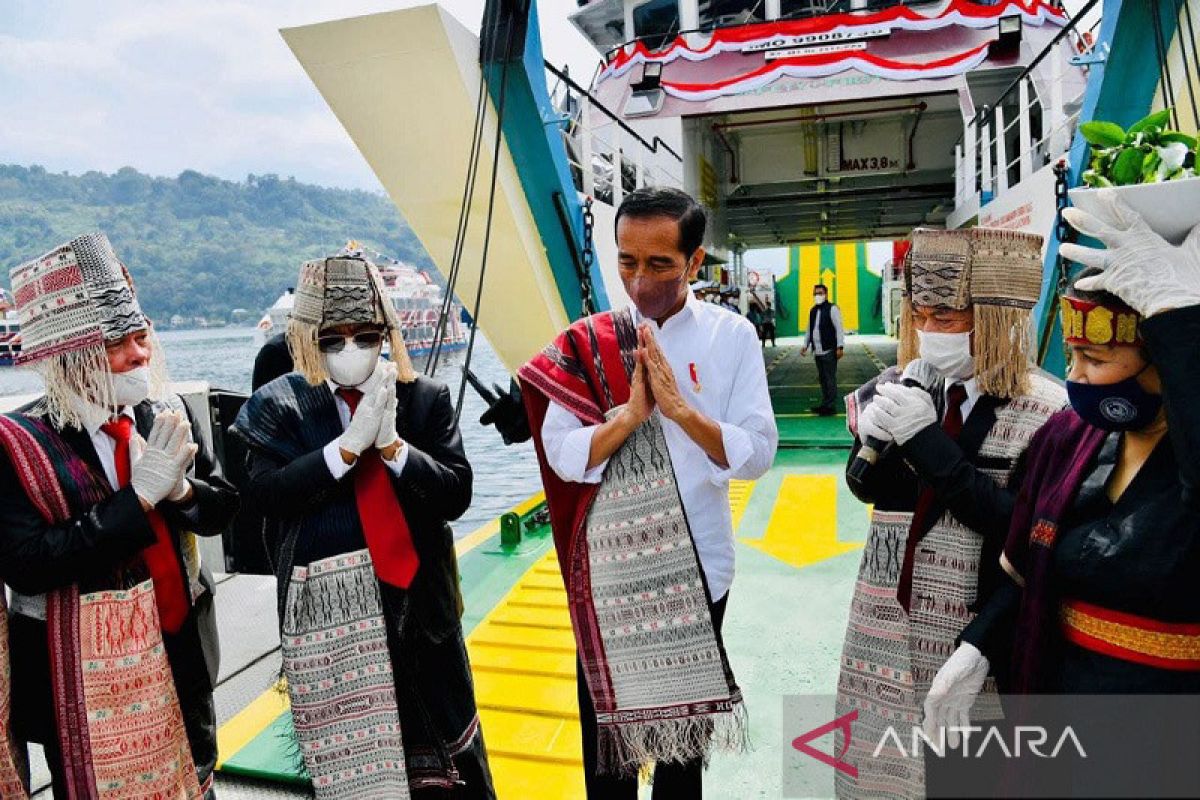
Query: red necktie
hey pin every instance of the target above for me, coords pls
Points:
(384, 527)
(170, 591)
(952, 424)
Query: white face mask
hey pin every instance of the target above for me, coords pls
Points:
(948, 353)
(131, 387)
(818, 299)
(353, 365)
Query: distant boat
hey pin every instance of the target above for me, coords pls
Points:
(10, 331)
(416, 298)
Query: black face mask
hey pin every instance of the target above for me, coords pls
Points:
(1120, 406)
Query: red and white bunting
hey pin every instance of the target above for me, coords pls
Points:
(821, 66)
(838, 28)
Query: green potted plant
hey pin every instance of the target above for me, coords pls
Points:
(1151, 167)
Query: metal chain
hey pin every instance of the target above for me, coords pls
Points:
(588, 256)
(1065, 233)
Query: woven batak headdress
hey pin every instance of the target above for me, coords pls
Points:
(70, 302)
(345, 289)
(998, 273)
(1088, 323)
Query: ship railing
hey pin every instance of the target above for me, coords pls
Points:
(608, 159)
(1031, 123)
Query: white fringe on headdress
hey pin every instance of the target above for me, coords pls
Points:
(1002, 346)
(86, 375)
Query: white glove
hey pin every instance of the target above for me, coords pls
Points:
(387, 423)
(868, 425)
(903, 411)
(165, 459)
(364, 424)
(1140, 267)
(953, 692)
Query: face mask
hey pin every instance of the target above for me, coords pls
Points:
(655, 298)
(948, 353)
(353, 365)
(1121, 406)
(131, 387)
(818, 299)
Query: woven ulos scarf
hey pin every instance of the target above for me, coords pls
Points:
(655, 666)
(120, 727)
(340, 683)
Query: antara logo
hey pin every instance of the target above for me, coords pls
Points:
(1030, 739)
(842, 723)
(1034, 737)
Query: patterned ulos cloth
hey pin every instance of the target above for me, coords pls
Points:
(121, 731)
(135, 729)
(340, 682)
(665, 691)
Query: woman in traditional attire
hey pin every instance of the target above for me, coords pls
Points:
(104, 484)
(1103, 556)
(357, 464)
(943, 491)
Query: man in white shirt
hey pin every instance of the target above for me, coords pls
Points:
(690, 369)
(827, 339)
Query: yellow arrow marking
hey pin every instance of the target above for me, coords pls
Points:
(739, 498)
(803, 525)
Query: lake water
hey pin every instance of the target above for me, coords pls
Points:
(223, 357)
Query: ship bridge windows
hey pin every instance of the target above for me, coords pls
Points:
(723, 13)
(656, 22)
(799, 9)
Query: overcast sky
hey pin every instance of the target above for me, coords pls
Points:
(208, 85)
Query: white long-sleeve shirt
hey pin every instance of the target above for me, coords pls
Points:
(723, 351)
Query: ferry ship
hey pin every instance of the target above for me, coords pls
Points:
(829, 128)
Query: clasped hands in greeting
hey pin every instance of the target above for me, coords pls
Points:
(373, 423)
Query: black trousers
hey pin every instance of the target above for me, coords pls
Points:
(827, 373)
(474, 772)
(671, 780)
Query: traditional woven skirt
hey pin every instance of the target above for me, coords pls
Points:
(876, 678)
(660, 680)
(126, 733)
(339, 674)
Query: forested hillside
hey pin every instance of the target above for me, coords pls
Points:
(198, 246)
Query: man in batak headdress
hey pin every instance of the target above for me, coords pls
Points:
(105, 481)
(944, 493)
(641, 417)
(357, 464)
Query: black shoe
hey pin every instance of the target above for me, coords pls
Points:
(822, 411)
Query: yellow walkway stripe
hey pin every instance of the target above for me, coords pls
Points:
(803, 525)
(250, 722)
(523, 661)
